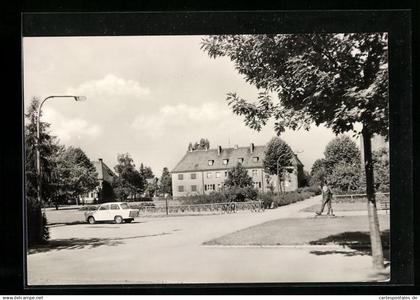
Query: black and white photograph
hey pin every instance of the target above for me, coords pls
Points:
(239, 158)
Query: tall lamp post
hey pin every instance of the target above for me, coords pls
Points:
(38, 134)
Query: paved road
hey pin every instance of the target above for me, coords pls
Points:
(170, 250)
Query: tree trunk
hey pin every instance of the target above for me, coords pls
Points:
(375, 234)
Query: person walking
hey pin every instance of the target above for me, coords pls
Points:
(326, 200)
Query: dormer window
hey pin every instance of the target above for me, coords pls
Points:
(225, 161)
(240, 160)
(255, 159)
(211, 162)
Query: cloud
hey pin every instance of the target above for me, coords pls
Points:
(67, 129)
(171, 117)
(110, 87)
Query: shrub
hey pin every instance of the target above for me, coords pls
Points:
(312, 189)
(275, 200)
(228, 194)
(141, 205)
(214, 197)
(240, 194)
(37, 224)
(88, 207)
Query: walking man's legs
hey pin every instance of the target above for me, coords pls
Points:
(324, 201)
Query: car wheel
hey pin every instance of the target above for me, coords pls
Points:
(118, 219)
(91, 220)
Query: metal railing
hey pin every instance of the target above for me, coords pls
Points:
(352, 197)
(212, 208)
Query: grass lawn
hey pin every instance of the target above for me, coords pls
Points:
(347, 230)
(64, 216)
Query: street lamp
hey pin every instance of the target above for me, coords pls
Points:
(38, 134)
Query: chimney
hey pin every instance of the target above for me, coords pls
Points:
(219, 150)
(252, 147)
(236, 146)
(100, 160)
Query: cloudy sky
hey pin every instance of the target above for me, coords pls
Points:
(147, 96)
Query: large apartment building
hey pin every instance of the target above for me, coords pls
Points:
(204, 171)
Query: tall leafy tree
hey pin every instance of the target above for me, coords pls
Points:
(146, 171)
(203, 144)
(318, 172)
(48, 147)
(341, 149)
(342, 164)
(165, 186)
(238, 177)
(75, 174)
(337, 80)
(129, 181)
(278, 156)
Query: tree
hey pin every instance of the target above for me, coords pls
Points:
(238, 185)
(238, 177)
(203, 144)
(342, 164)
(338, 80)
(278, 156)
(48, 148)
(146, 172)
(129, 182)
(152, 187)
(318, 172)
(165, 186)
(381, 169)
(74, 174)
(341, 150)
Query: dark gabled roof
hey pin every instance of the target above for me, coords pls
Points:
(198, 160)
(101, 169)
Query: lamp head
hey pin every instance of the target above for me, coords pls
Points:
(80, 98)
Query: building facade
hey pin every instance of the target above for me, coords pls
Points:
(204, 171)
(103, 191)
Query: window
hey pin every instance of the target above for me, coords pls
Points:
(180, 188)
(240, 160)
(254, 173)
(209, 174)
(104, 207)
(193, 176)
(217, 174)
(180, 176)
(257, 185)
(114, 206)
(219, 186)
(255, 159)
(124, 206)
(226, 174)
(193, 188)
(225, 161)
(91, 195)
(209, 187)
(211, 162)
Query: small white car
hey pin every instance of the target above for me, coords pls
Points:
(112, 211)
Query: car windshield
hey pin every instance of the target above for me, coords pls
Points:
(124, 206)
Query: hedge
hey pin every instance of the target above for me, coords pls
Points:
(275, 200)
